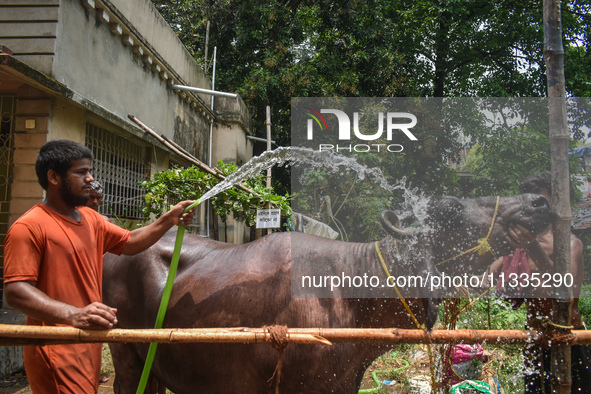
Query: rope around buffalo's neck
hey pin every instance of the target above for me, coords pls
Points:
(482, 245)
(406, 306)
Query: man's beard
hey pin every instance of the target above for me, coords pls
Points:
(69, 197)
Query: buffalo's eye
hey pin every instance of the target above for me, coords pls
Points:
(540, 201)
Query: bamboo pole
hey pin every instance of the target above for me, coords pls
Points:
(268, 142)
(269, 148)
(13, 335)
(55, 335)
(559, 139)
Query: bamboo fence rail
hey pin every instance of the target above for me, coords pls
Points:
(21, 335)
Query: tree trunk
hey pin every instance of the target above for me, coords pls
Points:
(441, 53)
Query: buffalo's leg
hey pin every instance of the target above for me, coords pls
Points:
(128, 371)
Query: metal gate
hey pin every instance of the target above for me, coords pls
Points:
(7, 114)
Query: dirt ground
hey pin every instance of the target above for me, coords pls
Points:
(414, 374)
(18, 384)
(404, 380)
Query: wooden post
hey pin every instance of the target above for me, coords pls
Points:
(268, 142)
(206, 66)
(268, 148)
(559, 139)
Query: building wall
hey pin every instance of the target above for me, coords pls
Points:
(230, 142)
(29, 28)
(150, 25)
(97, 63)
(32, 123)
(120, 56)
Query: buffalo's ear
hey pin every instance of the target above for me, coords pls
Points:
(390, 223)
(446, 212)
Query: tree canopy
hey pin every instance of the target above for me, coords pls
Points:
(271, 51)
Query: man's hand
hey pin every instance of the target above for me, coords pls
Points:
(539, 249)
(520, 237)
(96, 316)
(31, 301)
(180, 217)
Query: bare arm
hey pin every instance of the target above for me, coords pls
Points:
(493, 269)
(26, 298)
(576, 265)
(142, 238)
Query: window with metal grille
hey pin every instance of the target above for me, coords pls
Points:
(119, 165)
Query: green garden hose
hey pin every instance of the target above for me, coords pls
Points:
(174, 263)
(375, 373)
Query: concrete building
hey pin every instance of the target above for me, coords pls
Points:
(77, 69)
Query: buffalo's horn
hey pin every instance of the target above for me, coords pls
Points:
(390, 223)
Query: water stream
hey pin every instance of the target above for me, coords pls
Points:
(296, 156)
(415, 203)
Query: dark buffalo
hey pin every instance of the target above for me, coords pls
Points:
(224, 285)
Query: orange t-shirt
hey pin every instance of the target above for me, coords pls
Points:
(64, 258)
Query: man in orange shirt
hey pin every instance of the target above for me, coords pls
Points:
(53, 266)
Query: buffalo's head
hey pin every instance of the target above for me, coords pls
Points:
(413, 262)
(456, 225)
(463, 236)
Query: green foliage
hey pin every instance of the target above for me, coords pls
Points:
(509, 371)
(501, 159)
(344, 202)
(508, 360)
(502, 316)
(178, 184)
(356, 204)
(128, 224)
(585, 237)
(577, 62)
(499, 164)
(585, 303)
